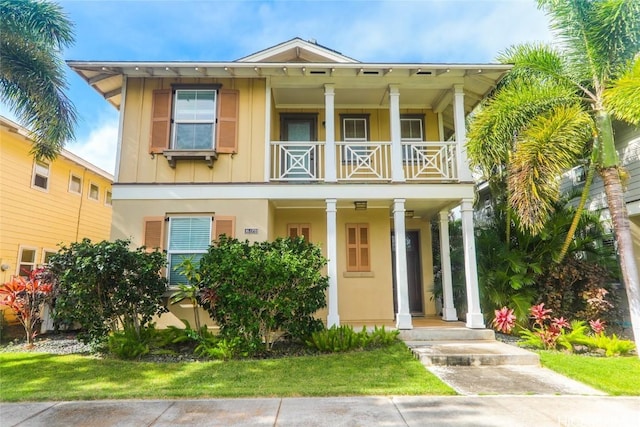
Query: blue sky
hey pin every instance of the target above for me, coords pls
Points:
(214, 30)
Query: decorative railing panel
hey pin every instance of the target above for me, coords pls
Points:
(429, 161)
(297, 161)
(363, 161)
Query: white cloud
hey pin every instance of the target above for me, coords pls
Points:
(99, 148)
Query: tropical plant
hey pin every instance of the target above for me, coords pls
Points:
(24, 296)
(343, 338)
(189, 290)
(259, 292)
(107, 286)
(32, 80)
(556, 108)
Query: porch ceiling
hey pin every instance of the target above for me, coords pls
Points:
(425, 209)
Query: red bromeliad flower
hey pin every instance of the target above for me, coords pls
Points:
(539, 313)
(560, 323)
(504, 320)
(597, 326)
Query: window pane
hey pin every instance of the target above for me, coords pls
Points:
(28, 255)
(195, 105)
(194, 136)
(42, 168)
(40, 181)
(189, 234)
(75, 185)
(94, 192)
(175, 277)
(107, 198)
(355, 129)
(47, 256)
(411, 129)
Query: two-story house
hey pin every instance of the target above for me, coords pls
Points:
(300, 140)
(46, 203)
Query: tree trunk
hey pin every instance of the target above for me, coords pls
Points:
(628, 267)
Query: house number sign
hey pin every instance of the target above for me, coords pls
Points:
(250, 231)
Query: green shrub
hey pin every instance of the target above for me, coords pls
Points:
(612, 346)
(260, 292)
(343, 338)
(106, 286)
(132, 344)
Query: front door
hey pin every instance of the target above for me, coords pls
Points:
(414, 272)
(298, 158)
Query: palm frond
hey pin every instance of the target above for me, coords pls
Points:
(552, 143)
(495, 125)
(622, 98)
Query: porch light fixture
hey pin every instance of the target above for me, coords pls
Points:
(360, 205)
(409, 214)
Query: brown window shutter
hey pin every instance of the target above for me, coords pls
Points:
(153, 237)
(352, 247)
(293, 230)
(363, 234)
(296, 230)
(227, 131)
(224, 225)
(160, 121)
(305, 231)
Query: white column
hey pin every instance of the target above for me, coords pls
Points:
(464, 173)
(330, 138)
(333, 319)
(403, 316)
(397, 172)
(267, 131)
(448, 309)
(474, 314)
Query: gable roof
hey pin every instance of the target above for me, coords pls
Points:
(297, 50)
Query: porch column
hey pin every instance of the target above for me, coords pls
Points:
(474, 314)
(464, 173)
(330, 138)
(403, 316)
(448, 309)
(333, 319)
(267, 131)
(397, 172)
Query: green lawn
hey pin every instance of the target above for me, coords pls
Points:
(619, 376)
(389, 371)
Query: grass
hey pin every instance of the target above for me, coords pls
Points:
(618, 376)
(387, 371)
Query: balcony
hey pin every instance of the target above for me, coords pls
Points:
(420, 161)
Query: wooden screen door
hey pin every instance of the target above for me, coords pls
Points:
(414, 272)
(298, 159)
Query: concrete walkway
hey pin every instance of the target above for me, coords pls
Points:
(494, 411)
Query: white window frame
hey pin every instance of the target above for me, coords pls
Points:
(182, 253)
(89, 196)
(46, 251)
(45, 174)
(411, 117)
(71, 177)
(108, 198)
(357, 149)
(176, 121)
(33, 264)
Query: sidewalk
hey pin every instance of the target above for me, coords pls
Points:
(476, 411)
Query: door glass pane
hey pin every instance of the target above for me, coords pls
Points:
(299, 131)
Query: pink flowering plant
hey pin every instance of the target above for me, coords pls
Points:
(504, 320)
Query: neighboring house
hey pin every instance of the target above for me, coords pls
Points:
(628, 147)
(46, 203)
(300, 140)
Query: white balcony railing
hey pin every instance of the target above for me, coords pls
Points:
(363, 161)
(429, 161)
(297, 161)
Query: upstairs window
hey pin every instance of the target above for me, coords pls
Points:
(411, 131)
(107, 198)
(75, 184)
(40, 175)
(355, 129)
(27, 261)
(94, 192)
(194, 119)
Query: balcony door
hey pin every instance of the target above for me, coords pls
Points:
(299, 158)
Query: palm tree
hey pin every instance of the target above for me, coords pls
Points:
(537, 124)
(32, 81)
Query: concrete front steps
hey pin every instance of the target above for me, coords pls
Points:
(460, 346)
